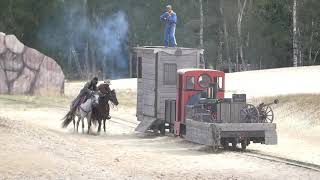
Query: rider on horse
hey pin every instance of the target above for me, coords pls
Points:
(104, 88)
(88, 88)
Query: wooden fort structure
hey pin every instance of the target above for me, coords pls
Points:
(156, 71)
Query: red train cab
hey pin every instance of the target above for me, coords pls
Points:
(191, 83)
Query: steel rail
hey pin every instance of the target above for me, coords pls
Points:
(287, 161)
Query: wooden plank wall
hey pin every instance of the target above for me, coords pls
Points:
(148, 77)
(139, 93)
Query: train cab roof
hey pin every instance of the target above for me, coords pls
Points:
(195, 70)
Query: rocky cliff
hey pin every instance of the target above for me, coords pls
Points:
(24, 70)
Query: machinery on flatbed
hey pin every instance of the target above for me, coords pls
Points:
(195, 107)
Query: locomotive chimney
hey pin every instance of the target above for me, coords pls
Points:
(212, 91)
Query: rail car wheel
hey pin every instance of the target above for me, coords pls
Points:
(249, 114)
(163, 129)
(266, 114)
(225, 144)
(234, 145)
(243, 145)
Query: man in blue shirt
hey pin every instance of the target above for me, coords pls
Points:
(170, 18)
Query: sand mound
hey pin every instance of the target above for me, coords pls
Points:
(298, 126)
(272, 82)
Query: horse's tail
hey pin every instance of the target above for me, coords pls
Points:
(94, 117)
(67, 119)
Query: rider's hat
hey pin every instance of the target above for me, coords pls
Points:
(107, 82)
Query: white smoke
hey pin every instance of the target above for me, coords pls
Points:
(111, 35)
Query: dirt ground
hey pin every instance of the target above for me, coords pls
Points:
(33, 146)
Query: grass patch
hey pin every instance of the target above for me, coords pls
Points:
(126, 98)
(34, 101)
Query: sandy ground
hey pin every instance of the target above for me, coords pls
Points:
(33, 146)
(298, 127)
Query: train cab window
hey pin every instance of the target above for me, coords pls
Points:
(133, 65)
(204, 80)
(139, 67)
(220, 82)
(190, 83)
(170, 74)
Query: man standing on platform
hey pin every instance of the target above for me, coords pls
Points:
(170, 18)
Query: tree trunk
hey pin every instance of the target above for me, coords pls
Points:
(300, 58)
(104, 67)
(311, 41)
(225, 32)
(300, 55)
(315, 57)
(239, 23)
(237, 60)
(87, 63)
(76, 61)
(220, 49)
(201, 24)
(260, 62)
(70, 57)
(93, 61)
(294, 36)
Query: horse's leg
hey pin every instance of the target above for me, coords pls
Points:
(89, 122)
(74, 124)
(82, 119)
(104, 125)
(99, 127)
(78, 122)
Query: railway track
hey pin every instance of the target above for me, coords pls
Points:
(283, 160)
(128, 123)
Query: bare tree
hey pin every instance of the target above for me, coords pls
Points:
(294, 34)
(241, 7)
(313, 52)
(220, 48)
(93, 61)
(77, 62)
(225, 32)
(201, 24)
(86, 60)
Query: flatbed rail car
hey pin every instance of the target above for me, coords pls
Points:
(194, 106)
(203, 115)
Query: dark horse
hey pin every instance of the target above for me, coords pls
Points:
(102, 111)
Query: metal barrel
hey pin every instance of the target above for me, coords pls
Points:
(276, 101)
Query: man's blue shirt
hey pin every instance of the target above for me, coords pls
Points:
(170, 20)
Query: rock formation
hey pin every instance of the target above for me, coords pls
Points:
(24, 70)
